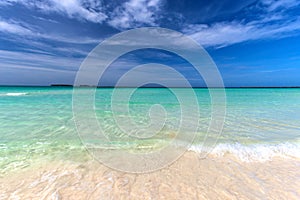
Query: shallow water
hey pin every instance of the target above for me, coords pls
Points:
(261, 126)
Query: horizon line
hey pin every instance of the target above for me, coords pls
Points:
(91, 86)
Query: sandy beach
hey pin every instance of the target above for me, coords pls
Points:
(189, 177)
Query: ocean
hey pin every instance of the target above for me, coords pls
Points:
(37, 126)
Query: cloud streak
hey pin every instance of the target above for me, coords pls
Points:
(272, 24)
(228, 33)
(272, 5)
(89, 10)
(14, 28)
(41, 61)
(11, 28)
(23, 68)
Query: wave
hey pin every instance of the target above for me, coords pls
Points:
(255, 152)
(14, 94)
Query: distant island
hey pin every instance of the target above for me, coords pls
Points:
(61, 85)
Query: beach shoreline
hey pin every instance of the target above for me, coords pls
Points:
(213, 177)
(256, 156)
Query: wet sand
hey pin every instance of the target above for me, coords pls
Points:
(215, 177)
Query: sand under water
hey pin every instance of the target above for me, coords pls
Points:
(213, 177)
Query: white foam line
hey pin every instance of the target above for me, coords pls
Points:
(15, 94)
(255, 152)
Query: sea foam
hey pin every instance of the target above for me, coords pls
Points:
(255, 152)
(15, 94)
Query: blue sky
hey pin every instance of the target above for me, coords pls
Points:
(253, 42)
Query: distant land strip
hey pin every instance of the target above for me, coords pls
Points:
(92, 86)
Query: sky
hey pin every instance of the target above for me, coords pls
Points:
(252, 42)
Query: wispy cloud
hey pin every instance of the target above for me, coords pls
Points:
(272, 5)
(130, 14)
(89, 10)
(272, 24)
(36, 69)
(135, 13)
(22, 29)
(273, 21)
(14, 28)
(41, 61)
(227, 33)
(21, 68)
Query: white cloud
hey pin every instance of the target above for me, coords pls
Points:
(135, 13)
(282, 4)
(227, 33)
(130, 14)
(27, 31)
(75, 8)
(273, 23)
(89, 10)
(14, 28)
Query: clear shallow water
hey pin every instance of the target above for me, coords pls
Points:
(37, 123)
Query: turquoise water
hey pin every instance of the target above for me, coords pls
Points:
(37, 122)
